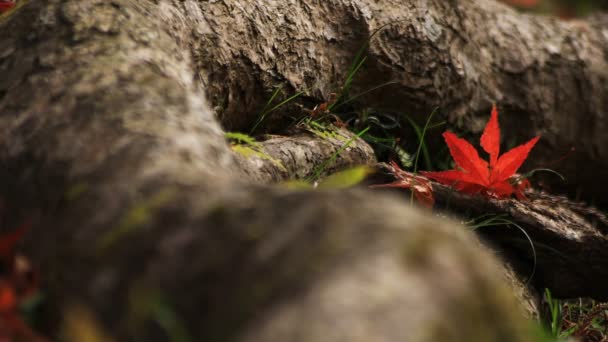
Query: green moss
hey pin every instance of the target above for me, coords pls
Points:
(241, 138)
(76, 191)
(248, 147)
(137, 217)
(323, 131)
(249, 151)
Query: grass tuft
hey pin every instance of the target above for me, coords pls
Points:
(491, 220)
(321, 168)
(268, 109)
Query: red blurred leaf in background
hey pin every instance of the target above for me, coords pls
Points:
(18, 282)
(8, 241)
(6, 5)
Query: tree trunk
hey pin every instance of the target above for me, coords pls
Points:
(108, 144)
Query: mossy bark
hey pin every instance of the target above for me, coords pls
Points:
(303, 155)
(548, 77)
(562, 243)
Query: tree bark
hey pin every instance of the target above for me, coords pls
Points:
(548, 76)
(108, 143)
(305, 155)
(560, 244)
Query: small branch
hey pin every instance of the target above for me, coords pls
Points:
(299, 156)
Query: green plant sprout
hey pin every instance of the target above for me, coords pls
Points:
(555, 310)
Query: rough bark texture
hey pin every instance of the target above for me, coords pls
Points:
(570, 239)
(305, 155)
(107, 140)
(570, 242)
(549, 77)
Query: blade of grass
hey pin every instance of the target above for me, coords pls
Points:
(500, 221)
(289, 99)
(531, 173)
(554, 308)
(358, 62)
(493, 216)
(439, 124)
(166, 317)
(363, 93)
(265, 112)
(422, 146)
(376, 139)
(319, 170)
(347, 83)
(274, 95)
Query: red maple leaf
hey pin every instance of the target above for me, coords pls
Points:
(476, 176)
(420, 186)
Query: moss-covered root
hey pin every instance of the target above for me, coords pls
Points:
(413, 279)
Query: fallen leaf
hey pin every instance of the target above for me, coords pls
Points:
(420, 186)
(476, 176)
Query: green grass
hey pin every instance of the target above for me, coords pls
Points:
(269, 108)
(354, 97)
(241, 138)
(555, 311)
(421, 145)
(381, 131)
(147, 303)
(531, 173)
(379, 127)
(322, 168)
(248, 147)
(584, 319)
(320, 128)
(359, 60)
(492, 220)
